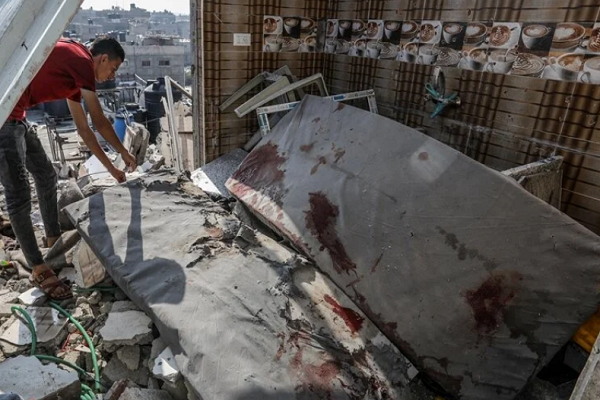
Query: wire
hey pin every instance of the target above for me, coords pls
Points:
(86, 392)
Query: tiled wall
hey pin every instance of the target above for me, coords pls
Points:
(504, 121)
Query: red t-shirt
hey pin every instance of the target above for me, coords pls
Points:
(68, 69)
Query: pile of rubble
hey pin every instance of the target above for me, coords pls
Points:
(132, 360)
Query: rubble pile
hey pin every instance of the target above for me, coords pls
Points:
(133, 362)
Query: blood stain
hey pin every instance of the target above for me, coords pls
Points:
(352, 319)
(321, 220)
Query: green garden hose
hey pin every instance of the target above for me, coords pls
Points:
(86, 392)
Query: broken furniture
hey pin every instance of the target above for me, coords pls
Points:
(477, 282)
(244, 316)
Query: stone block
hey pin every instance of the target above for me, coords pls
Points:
(165, 367)
(29, 378)
(32, 297)
(130, 356)
(144, 394)
(126, 328)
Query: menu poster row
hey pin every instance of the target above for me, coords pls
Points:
(566, 51)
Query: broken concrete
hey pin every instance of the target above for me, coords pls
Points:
(116, 369)
(123, 305)
(211, 177)
(126, 328)
(388, 213)
(144, 394)
(165, 367)
(48, 325)
(5, 310)
(130, 356)
(32, 297)
(291, 337)
(90, 271)
(69, 194)
(117, 389)
(8, 296)
(29, 378)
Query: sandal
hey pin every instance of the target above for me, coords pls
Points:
(49, 288)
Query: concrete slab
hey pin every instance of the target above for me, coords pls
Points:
(144, 394)
(173, 251)
(165, 366)
(29, 378)
(48, 325)
(89, 270)
(5, 310)
(127, 328)
(116, 370)
(212, 177)
(123, 305)
(130, 356)
(32, 297)
(476, 281)
(7, 296)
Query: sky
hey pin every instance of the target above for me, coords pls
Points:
(175, 6)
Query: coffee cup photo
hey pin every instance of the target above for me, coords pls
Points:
(273, 43)
(568, 66)
(392, 31)
(533, 36)
(428, 55)
(410, 52)
(452, 33)
(291, 26)
(476, 58)
(501, 61)
(591, 71)
(373, 49)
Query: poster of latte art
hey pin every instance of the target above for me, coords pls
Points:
(567, 51)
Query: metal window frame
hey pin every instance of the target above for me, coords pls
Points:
(271, 93)
(263, 112)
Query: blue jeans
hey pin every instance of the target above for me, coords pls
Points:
(22, 151)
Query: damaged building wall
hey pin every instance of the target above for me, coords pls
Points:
(226, 68)
(504, 120)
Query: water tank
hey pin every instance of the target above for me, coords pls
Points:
(153, 95)
(120, 125)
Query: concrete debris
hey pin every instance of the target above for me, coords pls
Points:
(120, 306)
(5, 310)
(94, 298)
(136, 141)
(117, 389)
(177, 390)
(153, 384)
(68, 273)
(165, 367)
(211, 177)
(48, 324)
(29, 378)
(8, 296)
(32, 297)
(90, 271)
(144, 394)
(116, 369)
(126, 328)
(158, 346)
(69, 194)
(130, 356)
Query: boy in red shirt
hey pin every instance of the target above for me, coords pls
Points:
(70, 72)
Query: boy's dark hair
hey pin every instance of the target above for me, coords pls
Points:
(109, 46)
